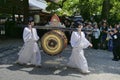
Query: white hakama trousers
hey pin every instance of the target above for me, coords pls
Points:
(78, 60)
(30, 53)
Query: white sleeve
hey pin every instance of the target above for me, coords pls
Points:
(79, 41)
(35, 35)
(74, 39)
(84, 42)
(27, 35)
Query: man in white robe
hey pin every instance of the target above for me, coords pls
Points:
(30, 52)
(78, 43)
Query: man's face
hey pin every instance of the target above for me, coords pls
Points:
(80, 26)
(104, 24)
(115, 31)
(32, 23)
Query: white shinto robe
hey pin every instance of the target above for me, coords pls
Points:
(77, 58)
(30, 52)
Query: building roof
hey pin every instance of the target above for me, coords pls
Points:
(37, 4)
(19, 6)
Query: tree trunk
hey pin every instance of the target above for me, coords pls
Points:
(106, 9)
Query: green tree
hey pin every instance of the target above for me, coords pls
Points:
(85, 7)
(114, 15)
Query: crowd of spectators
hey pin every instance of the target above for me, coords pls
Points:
(99, 33)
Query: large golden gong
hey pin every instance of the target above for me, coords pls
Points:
(53, 42)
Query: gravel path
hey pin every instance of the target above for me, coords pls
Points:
(53, 67)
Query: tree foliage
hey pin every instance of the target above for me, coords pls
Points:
(115, 11)
(108, 9)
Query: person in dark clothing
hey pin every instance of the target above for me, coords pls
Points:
(104, 29)
(116, 44)
(95, 36)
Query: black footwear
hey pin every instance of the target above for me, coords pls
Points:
(115, 59)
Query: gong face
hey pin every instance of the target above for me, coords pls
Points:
(52, 43)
